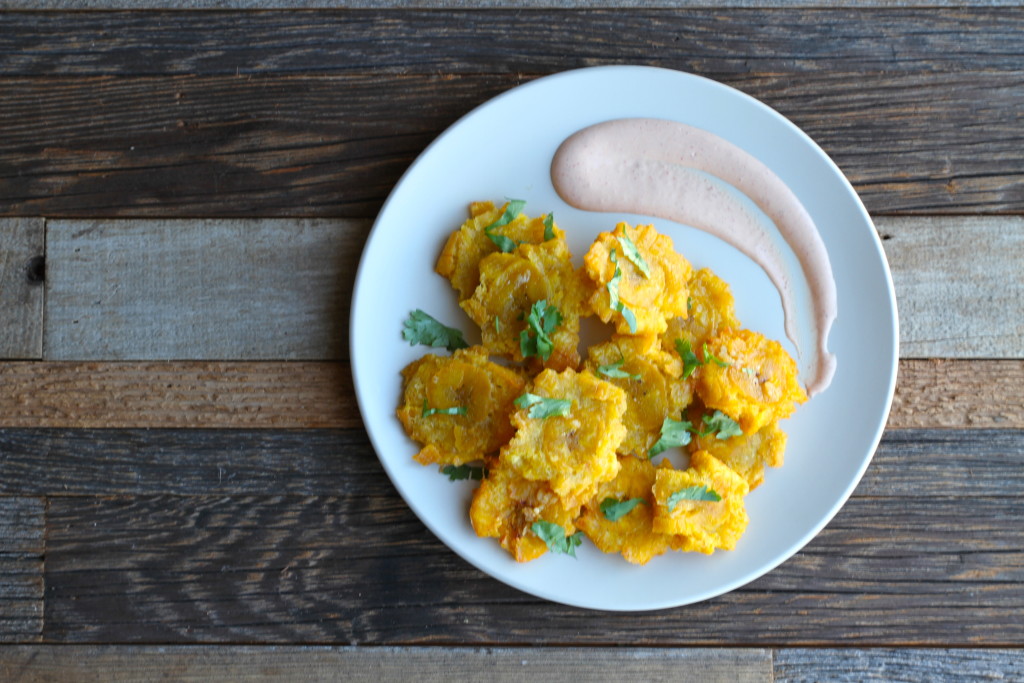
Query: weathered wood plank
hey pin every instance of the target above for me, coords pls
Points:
(361, 570)
(280, 289)
(335, 145)
(200, 289)
(711, 42)
(955, 301)
(196, 394)
(22, 243)
(61, 5)
(21, 569)
(958, 394)
(372, 664)
(930, 394)
(793, 665)
(908, 463)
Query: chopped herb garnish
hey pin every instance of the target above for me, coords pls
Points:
(454, 410)
(497, 325)
(721, 425)
(421, 328)
(673, 433)
(615, 371)
(555, 539)
(459, 472)
(698, 493)
(512, 209)
(690, 360)
(689, 304)
(615, 509)
(549, 227)
(708, 356)
(613, 295)
(541, 322)
(750, 371)
(541, 407)
(633, 254)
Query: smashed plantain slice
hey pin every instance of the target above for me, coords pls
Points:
(506, 505)
(651, 380)
(701, 507)
(754, 380)
(639, 299)
(511, 285)
(458, 407)
(747, 454)
(466, 247)
(630, 533)
(710, 308)
(574, 451)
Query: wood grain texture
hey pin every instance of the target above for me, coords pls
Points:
(360, 569)
(711, 42)
(955, 301)
(22, 243)
(957, 394)
(77, 5)
(280, 289)
(21, 569)
(794, 665)
(199, 395)
(112, 664)
(105, 462)
(334, 145)
(930, 394)
(199, 289)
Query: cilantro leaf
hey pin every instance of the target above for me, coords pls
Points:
(512, 209)
(541, 321)
(698, 493)
(633, 254)
(541, 407)
(708, 356)
(673, 433)
(613, 295)
(615, 371)
(421, 328)
(614, 509)
(454, 410)
(458, 472)
(549, 227)
(721, 423)
(690, 360)
(555, 539)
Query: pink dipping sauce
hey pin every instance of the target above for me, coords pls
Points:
(656, 167)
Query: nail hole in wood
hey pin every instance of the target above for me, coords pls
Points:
(35, 270)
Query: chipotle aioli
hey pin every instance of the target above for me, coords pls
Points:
(657, 168)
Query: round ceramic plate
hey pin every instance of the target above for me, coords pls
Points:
(504, 149)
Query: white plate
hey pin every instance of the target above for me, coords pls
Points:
(503, 149)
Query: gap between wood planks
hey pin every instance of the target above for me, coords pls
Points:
(930, 394)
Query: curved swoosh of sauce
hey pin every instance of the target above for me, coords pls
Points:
(656, 167)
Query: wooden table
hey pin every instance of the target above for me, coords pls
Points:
(186, 488)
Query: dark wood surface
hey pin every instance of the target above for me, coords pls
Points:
(231, 498)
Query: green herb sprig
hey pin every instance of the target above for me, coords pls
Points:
(541, 407)
(541, 322)
(614, 509)
(613, 295)
(555, 538)
(422, 328)
(697, 493)
(512, 209)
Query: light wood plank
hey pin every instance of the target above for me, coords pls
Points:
(22, 245)
(959, 285)
(852, 665)
(280, 289)
(374, 664)
(359, 569)
(153, 290)
(21, 569)
(930, 394)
